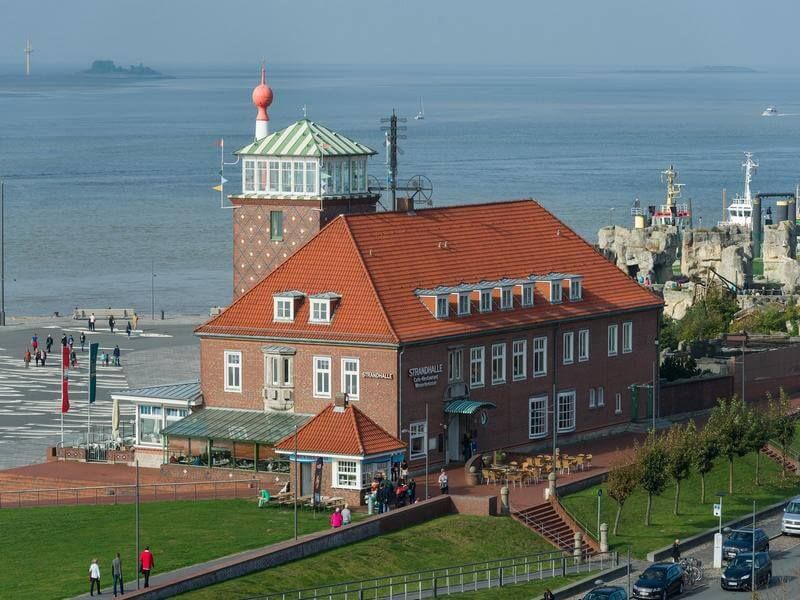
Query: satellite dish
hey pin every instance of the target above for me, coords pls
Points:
(421, 189)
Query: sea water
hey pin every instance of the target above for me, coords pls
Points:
(108, 181)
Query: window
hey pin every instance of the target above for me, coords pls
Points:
(276, 225)
(322, 376)
(583, 345)
(612, 340)
(279, 370)
(337, 178)
(627, 337)
(527, 295)
(350, 377)
(618, 403)
(283, 309)
(454, 362)
(262, 176)
(326, 178)
(486, 300)
(555, 291)
(286, 176)
(249, 184)
(592, 398)
(320, 311)
(370, 470)
(233, 371)
(601, 396)
(498, 363)
(346, 177)
(569, 347)
(176, 414)
(537, 417)
(575, 290)
(566, 411)
(274, 175)
(442, 306)
(311, 177)
(476, 367)
(346, 474)
(539, 356)
(417, 439)
(274, 374)
(299, 172)
(150, 424)
(463, 304)
(519, 353)
(506, 299)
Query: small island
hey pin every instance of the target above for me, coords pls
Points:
(108, 68)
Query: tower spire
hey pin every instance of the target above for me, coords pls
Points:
(262, 98)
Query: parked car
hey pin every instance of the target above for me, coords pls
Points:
(607, 592)
(790, 524)
(659, 581)
(739, 573)
(741, 540)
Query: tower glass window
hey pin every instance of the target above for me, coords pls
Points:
(311, 177)
(299, 172)
(249, 183)
(262, 176)
(276, 225)
(286, 176)
(274, 175)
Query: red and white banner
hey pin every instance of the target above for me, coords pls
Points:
(64, 379)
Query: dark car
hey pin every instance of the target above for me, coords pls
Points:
(607, 592)
(659, 581)
(741, 540)
(739, 573)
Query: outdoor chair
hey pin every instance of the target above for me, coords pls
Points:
(488, 475)
(514, 478)
(579, 462)
(588, 459)
(263, 498)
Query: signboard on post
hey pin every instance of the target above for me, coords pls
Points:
(717, 510)
(317, 482)
(93, 348)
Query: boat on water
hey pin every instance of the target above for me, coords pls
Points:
(770, 111)
(421, 114)
(740, 210)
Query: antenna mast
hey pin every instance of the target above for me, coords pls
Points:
(28, 51)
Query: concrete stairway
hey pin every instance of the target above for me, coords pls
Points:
(547, 522)
(775, 454)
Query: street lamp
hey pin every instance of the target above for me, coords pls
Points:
(153, 290)
(718, 536)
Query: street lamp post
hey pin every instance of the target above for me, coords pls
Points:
(753, 556)
(153, 290)
(2, 256)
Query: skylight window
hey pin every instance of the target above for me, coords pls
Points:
(283, 309)
(320, 310)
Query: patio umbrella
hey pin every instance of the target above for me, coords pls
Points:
(115, 419)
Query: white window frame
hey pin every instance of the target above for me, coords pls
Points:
(540, 352)
(506, 298)
(320, 310)
(319, 393)
(442, 307)
(279, 306)
(627, 337)
(601, 396)
(274, 167)
(575, 289)
(150, 412)
(613, 339)
(350, 380)
(498, 363)
(519, 360)
(249, 167)
(354, 474)
(416, 431)
(464, 303)
(477, 359)
(566, 417)
(618, 403)
(555, 292)
(592, 398)
(568, 347)
(232, 367)
(262, 183)
(527, 294)
(537, 407)
(583, 345)
(455, 365)
(486, 301)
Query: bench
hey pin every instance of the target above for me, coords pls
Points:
(102, 314)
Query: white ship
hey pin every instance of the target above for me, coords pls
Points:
(770, 111)
(740, 211)
(421, 114)
(672, 213)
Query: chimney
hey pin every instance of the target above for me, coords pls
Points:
(405, 205)
(339, 402)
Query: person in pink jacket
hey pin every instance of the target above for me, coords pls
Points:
(336, 518)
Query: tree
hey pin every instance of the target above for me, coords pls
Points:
(758, 434)
(679, 366)
(704, 452)
(621, 483)
(729, 421)
(783, 426)
(678, 443)
(652, 459)
(709, 317)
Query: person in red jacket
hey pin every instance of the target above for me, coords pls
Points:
(146, 563)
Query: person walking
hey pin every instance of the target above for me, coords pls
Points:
(38, 357)
(548, 595)
(27, 357)
(347, 516)
(73, 359)
(116, 573)
(146, 564)
(94, 577)
(135, 320)
(44, 356)
(443, 485)
(83, 341)
(70, 342)
(336, 518)
(676, 551)
(35, 342)
(49, 343)
(128, 329)
(412, 491)
(63, 340)
(116, 356)
(111, 323)
(92, 321)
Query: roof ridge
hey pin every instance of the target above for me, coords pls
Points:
(354, 424)
(368, 276)
(469, 205)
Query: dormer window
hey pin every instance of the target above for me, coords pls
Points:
(320, 311)
(555, 291)
(463, 303)
(575, 289)
(442, 307)
(527, 295)
(506, 298)
(283, 309)
(486, 300)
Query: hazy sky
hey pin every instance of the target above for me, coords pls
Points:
(556, 32)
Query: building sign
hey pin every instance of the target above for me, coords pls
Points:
(377, 375)
(426, 376)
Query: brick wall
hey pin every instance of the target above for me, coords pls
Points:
(767, 371)
(687, 396)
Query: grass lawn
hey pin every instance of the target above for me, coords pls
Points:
(47, 550)
(450, 540)
(694, 517)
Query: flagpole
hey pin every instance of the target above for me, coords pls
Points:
(62, 397)
(221, 168)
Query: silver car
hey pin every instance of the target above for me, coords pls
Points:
(790, 524)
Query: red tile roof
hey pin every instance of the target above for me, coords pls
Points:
(376, 262)
(349, 433)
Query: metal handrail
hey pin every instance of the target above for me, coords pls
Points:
(540, 526)
(581, 524)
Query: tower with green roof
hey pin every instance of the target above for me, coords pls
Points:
(294, 181)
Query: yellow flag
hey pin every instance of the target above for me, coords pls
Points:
(217, 188)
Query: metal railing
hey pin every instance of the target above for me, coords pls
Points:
(541, 528)
(455, 579)
(122, 494)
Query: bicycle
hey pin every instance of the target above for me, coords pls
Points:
(692, 571)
